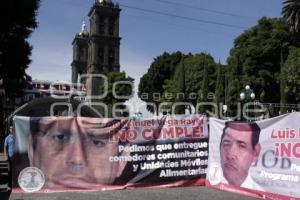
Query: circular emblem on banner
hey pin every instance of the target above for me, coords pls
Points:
(31, 179)
(215, 173)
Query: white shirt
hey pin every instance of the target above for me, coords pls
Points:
(251, 184)
(248, 183)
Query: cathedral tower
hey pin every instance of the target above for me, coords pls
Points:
(104, 42)
(80, 53)
(97, 51)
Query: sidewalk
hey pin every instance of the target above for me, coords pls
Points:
(3, 173)
(4, 194)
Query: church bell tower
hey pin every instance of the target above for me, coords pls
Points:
(97, 51)
(80, 53)
(104, 43)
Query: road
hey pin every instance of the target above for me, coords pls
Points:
(187, 193)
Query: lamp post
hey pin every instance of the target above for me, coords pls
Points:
(247, 95)
(225, 107)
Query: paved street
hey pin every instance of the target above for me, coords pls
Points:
(188, 193)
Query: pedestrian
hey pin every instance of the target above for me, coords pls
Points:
(9, 153)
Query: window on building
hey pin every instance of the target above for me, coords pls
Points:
(74, 51)
(82, 54)
(111, 57)
(28, 97)
(101, 25)
(101, 54)
(111, 28)
(90, 55)
(92, 25)
(46, 86)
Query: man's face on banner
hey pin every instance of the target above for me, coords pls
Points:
(237, 155)
(73, 155)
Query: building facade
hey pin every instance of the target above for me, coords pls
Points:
(37, 89)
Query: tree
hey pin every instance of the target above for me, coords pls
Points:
(16, 24)
(291, 76)
(255, 60)
(15, 50)
(124, 88)
(283, 94)
(193, 80)
(179, 87)
(219, 96)
(204, 89)
(119, 89)
(234, 84)
(151, 84)
(291, 14)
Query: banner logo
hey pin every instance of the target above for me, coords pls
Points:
(31, 179)
(215, 174)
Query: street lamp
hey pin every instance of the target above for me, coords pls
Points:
(225, 108)
(247, 95)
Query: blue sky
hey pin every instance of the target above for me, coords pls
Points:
(144, 35)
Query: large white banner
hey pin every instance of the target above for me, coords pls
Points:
(258, 159)
(76, 153)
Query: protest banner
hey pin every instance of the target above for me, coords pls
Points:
(259, 159)
(55, 154)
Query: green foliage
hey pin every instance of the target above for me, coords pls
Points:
(221, 83)
(255, 60)
(203, 91)
(283, 94)
(179, 88)
(17, 25)
(120, 89)
(190, 81)
(151, 84)
(291, 14)
(291, 76)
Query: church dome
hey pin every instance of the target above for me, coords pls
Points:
(83, 31)
(106, 1)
